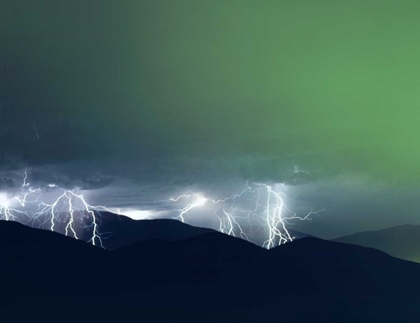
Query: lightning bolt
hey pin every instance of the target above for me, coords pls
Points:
(263, 206)
(31, 209)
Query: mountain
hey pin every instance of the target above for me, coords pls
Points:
(210, 277)
(119, 230)
(400, 241)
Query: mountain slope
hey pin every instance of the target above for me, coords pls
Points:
(401, 241)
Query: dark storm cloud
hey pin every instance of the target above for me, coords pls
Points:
(52, 178)
(7, 183)
(96, 184)
(69, 179)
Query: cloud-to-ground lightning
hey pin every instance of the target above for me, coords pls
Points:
(257, 205)
(68, 207)
(256, 210)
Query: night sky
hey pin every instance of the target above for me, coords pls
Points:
(134, 101)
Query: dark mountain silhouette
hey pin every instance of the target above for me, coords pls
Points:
(121, 230)
(400, 241)
(211, 277)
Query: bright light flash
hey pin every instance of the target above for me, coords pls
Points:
(4, 201)
(198, 201)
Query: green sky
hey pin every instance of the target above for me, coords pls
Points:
(331, 86)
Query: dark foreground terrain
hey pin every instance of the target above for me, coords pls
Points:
(211, 277)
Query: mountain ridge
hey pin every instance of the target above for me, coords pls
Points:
(401, 241)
